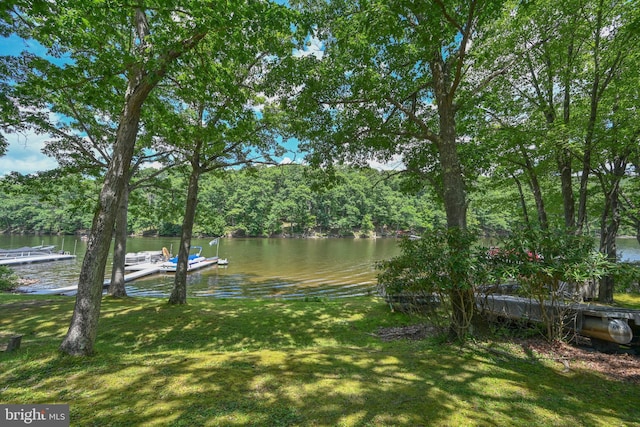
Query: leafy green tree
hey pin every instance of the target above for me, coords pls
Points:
(550, 266)
(630, 209)
(130, 46)
(618, 142)
(552, 104)
(216, 113)
(562, 103)
(210, 217)
(394, 79)
(82, 138)
(419, 280)
(9, 111)
(540, 86)
(32, 204)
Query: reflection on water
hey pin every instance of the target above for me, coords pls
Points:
(265, 268)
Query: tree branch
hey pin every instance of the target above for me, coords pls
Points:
(427, 133)
(448, 17)
(466, 35)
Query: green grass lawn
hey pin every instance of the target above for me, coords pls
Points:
(277, 363)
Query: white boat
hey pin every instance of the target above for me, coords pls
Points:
(195, 261)
(143, 257)
(223, 261)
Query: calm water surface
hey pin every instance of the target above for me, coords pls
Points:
(287, 268)
(284, 268)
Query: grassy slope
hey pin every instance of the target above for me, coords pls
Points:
(248, 362)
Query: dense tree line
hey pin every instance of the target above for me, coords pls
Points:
(287, 200)
(258, 202)
(273, 201)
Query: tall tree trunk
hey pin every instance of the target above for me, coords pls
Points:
(84, 322)
(609, 231)
(523, 203)
(117, 285)
(563, 158)
(179, 292)
(563, 155)
(584, 179)
(455, 201)
(534, 185)
(537, 196)
(594, 100)
(454, 192)
(610, 224)
(455, 198)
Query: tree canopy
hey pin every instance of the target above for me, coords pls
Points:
(530, 103)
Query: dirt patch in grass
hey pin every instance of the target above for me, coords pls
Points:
(411, 332)
(621, 366)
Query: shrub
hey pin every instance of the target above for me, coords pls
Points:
(550, 267)
(435, 276)
(627, 277)
(8, 279)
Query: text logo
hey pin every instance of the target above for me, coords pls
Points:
(34, 415)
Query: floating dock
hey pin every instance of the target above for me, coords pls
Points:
(612, 324)
(607, 326)
(140, 270)
(29, 259)
(136, 271)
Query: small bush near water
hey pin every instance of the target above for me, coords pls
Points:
(8, 279)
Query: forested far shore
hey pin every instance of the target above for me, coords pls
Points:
(292, 200)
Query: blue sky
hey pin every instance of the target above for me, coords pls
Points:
(23, 154)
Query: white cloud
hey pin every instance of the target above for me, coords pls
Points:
(24, 154)
(313, 47)
(153, 165)
(396, 163)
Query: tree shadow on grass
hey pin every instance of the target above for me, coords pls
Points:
(291, 363)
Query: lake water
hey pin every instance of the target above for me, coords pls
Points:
(280, 268)
(286, 268)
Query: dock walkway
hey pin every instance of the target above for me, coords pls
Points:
(136, 271)
(140, 270)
